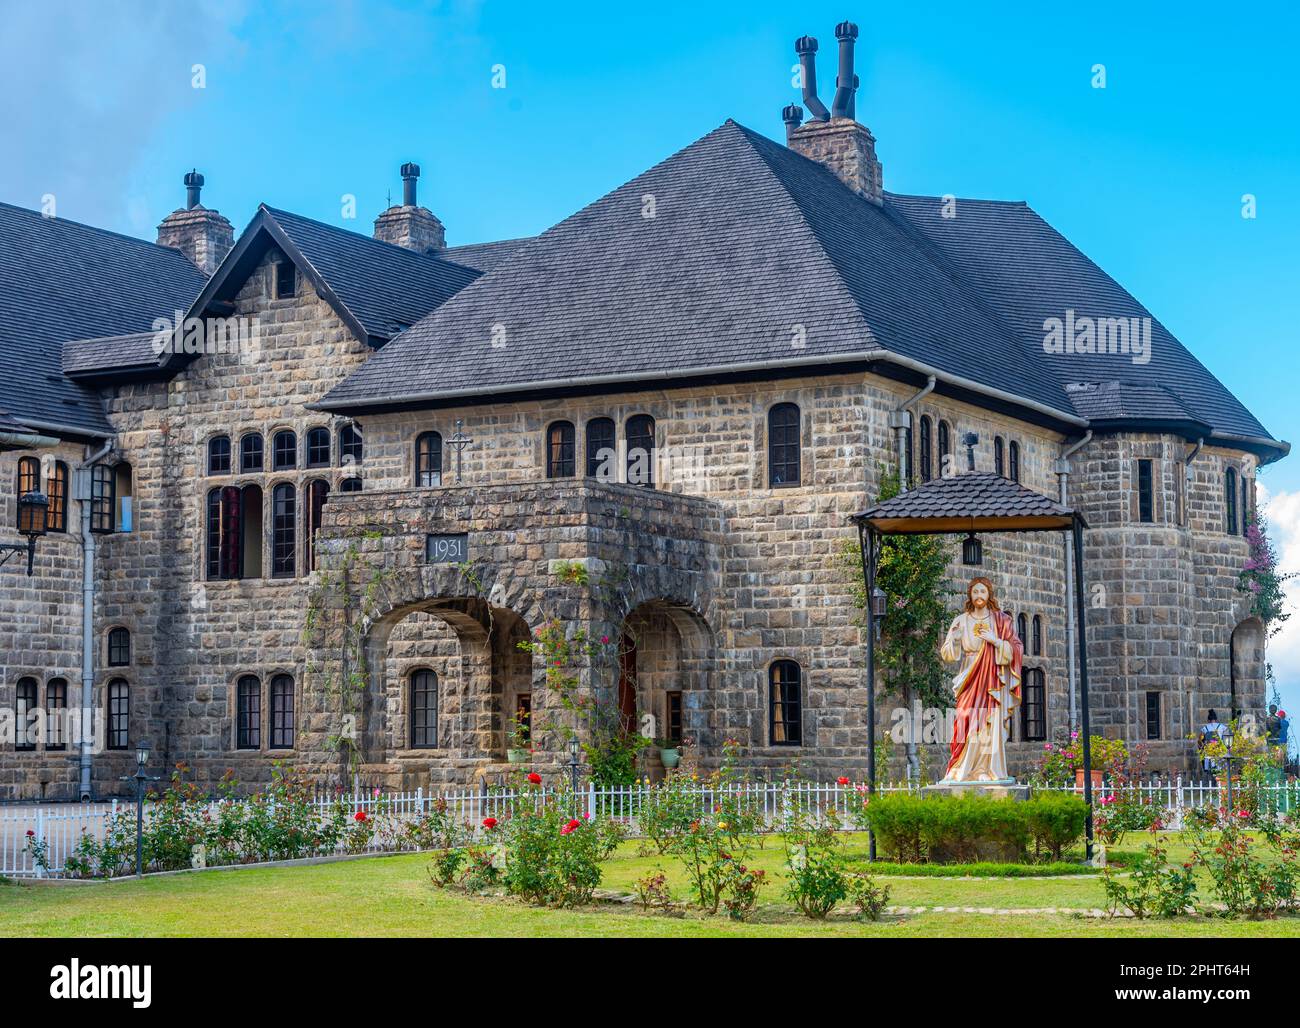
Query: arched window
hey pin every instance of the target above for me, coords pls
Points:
(641, 450)
(1013, 452)
(284, 513)
(281, 712)
(123, 497)
(1033, 711)
(560, 450)
(219, 455)
(252, 453)
(25, 701)
(428, 459)
(223, 533)
(999, 459)
(350, 445)
(56, 492)
(785, 689)
(601, 452)
(1038, 635)
(945, 447)
(350, 485)
(284, 450)
(56, 705)
(927, 443)
(318, 447)
(424, 710)
(1245, 503)
(248, 713)
(119, 647)
(783, 451)
(1230, 497)
(1022, 629)
(119, 714)
(318, 492)
(909, 466)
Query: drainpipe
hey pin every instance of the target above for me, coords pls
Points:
(900, 420)
(83, 494)
(1063, 476)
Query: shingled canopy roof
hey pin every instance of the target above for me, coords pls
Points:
(978, 501)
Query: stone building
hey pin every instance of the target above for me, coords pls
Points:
(331, 491)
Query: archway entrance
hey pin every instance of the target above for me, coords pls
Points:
(665, 665)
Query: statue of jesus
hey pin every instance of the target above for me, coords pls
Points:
(987, 686)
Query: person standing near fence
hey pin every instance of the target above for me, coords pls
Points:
(1211, 731)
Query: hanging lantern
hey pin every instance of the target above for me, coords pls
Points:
(972, 551)
(31, 514)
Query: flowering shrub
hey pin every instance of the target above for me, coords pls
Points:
(1058, 762)
(654, 894)
(1245, 881)
(1152, 887)
(742, 888)
(1260, 579)
(815, 877)
(870, 899)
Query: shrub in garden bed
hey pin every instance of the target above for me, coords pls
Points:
(969, 829)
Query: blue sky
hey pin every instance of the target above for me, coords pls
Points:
(306, 102)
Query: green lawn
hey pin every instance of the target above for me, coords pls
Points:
(392, 896)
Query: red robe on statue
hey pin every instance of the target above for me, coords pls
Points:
(987, 689)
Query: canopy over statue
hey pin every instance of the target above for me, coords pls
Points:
(986, 687)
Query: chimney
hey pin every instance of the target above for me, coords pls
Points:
(835, 138)
(410, 225)
(203, 235)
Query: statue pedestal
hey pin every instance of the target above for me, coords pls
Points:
(1008, 789)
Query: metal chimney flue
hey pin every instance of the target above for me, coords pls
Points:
(792, 115)
(410, 173)
(193, 186)
(806, 48)
(846, 83)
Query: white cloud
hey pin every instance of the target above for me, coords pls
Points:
(1283, 513)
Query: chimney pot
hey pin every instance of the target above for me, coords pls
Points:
(806, 48)
(193, 186)
(792, 115)
(843, 106)
(410, 172)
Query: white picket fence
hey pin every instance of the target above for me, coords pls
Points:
(23, 828)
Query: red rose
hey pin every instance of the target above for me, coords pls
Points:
(535, 778)
(359, 816)
(842, 780)
(489, 822)
(30, 834)
(571, 826)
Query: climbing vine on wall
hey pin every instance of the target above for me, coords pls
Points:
(341, 633)
(1260, 578)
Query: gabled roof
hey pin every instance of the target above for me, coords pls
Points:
(484, 256)
(376, 288)
(738, 255)
(976, 501)
(61, 280)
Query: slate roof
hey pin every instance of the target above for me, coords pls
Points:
(387, 288)
(136, 350)
(977, 501)
(484, 256)
(1126, 401)
(62, 280)
(1029, 272)
(756, 257)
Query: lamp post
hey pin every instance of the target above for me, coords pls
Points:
(573, 767)
(32, 508)
(140, 777)
(877, 605)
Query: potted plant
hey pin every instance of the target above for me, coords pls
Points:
(519, 745)
(669, 753)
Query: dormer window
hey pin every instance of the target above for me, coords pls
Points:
(286, 280)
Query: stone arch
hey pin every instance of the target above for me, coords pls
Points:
(666, 671)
